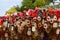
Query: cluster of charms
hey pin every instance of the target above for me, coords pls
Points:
(31, 22)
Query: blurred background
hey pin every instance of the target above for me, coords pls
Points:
(12, 6)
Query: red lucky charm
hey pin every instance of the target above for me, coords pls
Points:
(51, 12)
(28, 22)
(6, 16)
(39, 24)
(44, 14)
(48, 18)
(58, 18)
(45, 26)
(55, 12)
(20, 14)
(52, 20)
(55, 25)
(55, 18)
(30, 13)
(1, 22)
(13, 18)
(34, 15)
(39, 18)
(37, 9)
(24, 13)
(27, 13)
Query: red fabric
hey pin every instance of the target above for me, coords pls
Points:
(31, 13)
(44, 14)
(58, 16)
(24, 13)
(57, 12)
(6, 16)
(34, 15)
(1, 21)
(20, 14)
(13, 18)
(51, 12)
(37, 10)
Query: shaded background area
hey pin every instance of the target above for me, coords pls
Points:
(7, 4)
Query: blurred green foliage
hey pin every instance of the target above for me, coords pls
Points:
(29, 4)
(11, 10)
